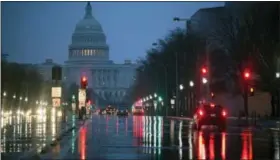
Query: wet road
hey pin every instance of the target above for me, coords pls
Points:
(143, 137)
(22, 133)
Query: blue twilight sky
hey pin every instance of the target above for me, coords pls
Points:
(34, 31)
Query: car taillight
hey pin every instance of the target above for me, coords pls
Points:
(200, 112)
(224, 113)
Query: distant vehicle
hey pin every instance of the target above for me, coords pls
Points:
(138, 110)
(210, 114)
(102, 111)
(122, 112)
(110, 110)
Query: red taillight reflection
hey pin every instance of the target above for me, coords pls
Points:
(224, 113)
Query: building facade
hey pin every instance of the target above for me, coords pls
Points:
(88, 55)
(45, 69)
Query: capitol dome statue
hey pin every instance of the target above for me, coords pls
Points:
(88, 40)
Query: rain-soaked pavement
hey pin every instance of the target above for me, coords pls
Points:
(144, 137)
(22, 133)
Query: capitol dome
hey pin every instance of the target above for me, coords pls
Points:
(88, 39)
(88, 23)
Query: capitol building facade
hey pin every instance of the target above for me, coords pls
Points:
(88, 55)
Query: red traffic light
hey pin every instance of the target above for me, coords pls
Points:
(84, 79)
(247, 75)
(204, 70)
(84, 82)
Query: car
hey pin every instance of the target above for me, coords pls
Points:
(210, 114)
(102, 111)
(110, 110)
(138, 110)
(122, 112)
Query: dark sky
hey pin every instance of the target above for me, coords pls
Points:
(34, 31)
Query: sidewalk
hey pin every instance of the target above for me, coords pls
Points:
(65, 128)
(65, 144)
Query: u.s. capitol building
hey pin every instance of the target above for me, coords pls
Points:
(88, 55)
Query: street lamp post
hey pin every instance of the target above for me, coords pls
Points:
(4, 98)
(14, 98)
(276, 108)
(191, 97)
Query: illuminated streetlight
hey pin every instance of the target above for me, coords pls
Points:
(204, 80)
(277, 75)
(155, 95)
(181, 87)
(37, 102)
(20, 98)
(14, 96)
(151, 97)
(191, 84)
(26, 99)
(4, 94)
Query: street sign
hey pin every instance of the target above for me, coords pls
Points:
(56, 92)
(56, 102)
(82, 95)
(82, 98)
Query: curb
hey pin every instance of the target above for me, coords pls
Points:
(179, 118)
(64, 151)
(33, 154)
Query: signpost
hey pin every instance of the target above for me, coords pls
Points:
(56, 102)
(56, 96)
(82, 98)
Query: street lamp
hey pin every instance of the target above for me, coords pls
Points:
(4, 94)
(181, 87)
(14, 96)
(277, 75)
(20, 98)
(37, 102)
(155, 95)
(26, 99)
(191, 84)
(204, 80)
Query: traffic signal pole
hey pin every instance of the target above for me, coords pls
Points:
(82, 97)
(246, 98)
(247, 76)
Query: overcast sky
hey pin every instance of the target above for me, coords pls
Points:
(34, 31)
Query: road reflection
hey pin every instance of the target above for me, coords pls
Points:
(21, 131)
(148, 132)
(247, 150)
(190, 144)
(82, 142)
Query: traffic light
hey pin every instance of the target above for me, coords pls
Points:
(252, 91)
(56, 73)
(247, 75)
(84, 82)
(204, 70)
